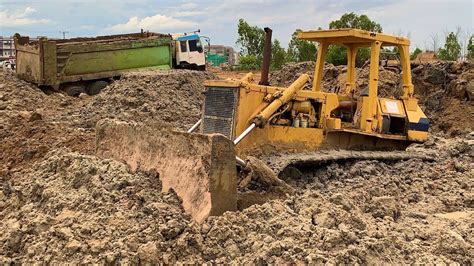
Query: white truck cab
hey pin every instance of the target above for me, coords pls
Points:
(188, 51)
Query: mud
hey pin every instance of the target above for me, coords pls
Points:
(59, 203)
(79, 208)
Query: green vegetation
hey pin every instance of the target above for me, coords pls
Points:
(300, 50)
(337, 55)
(452, 48)
(279, 57)
(251, 40)
(249, 62)
(351, 20)
(470, 48)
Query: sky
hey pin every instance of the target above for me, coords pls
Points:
(420, 20)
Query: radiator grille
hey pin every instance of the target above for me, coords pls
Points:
(219, 109)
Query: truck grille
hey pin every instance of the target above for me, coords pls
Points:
(219, 109)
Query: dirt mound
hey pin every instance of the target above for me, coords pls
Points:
(291, 71)
(59, 203)
(32, 123)
(174, 97)
(334, 77)
(78, 208)
(28, 127)
(445, 89)
(82, 209)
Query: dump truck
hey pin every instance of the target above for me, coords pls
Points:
(188, 51)
(87, 65)
(241, 120)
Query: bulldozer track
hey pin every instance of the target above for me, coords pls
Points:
(278, 163)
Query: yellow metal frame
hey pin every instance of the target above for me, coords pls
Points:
(353, 40)
(259, 101)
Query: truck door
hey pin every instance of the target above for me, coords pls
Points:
(196, 53)
(182, 55)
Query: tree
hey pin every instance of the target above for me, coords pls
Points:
(470, 48)
(352, 20)
(279, 56)
(337, 55)
(251, 39)
(415, 53)
(452, 48)
(249, 62)
(301, 50)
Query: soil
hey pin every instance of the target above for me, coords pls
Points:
(59, 203)
(33, 123)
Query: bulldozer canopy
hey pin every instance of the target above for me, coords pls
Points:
(352, 36)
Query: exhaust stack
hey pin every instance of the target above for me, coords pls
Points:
(267, 54)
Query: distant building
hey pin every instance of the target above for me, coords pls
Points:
(219, 55)
(7, 47)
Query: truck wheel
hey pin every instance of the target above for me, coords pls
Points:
(74, 90)
(95, 87)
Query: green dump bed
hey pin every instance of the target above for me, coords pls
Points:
(54, 62)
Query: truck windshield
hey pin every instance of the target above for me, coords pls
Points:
(195, 45)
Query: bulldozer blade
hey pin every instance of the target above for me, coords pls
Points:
(199, 168)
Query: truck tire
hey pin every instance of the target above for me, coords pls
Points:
(95, 87)
(74, 90)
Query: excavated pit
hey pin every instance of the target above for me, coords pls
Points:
(60, 203)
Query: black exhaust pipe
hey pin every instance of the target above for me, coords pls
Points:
(267, 54)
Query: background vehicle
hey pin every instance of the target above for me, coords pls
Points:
(188, 51)
(80, 65)
(87, 65)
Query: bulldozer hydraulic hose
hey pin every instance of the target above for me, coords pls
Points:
(244, 134)
(195, 126)
(247, 78)
(273, 107)
(286, 96)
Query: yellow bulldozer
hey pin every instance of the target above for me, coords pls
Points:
(242, 120)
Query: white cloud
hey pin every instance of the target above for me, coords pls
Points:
(189, 13)
(188, 9)
(87, 27)
(20, 18)
(154, 23)
(189, 5)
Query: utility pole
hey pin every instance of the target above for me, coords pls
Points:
(64, 33)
